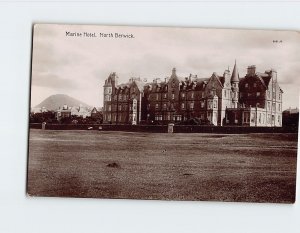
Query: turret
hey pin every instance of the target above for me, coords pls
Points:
(235, 86)
(109, 88)
(173, 72)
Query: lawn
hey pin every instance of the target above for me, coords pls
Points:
(219, 167)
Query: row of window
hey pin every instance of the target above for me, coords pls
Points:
(274, 107)
(261, 118)
(249, 94)
(211, 105)
(168, 118)
(120, 118)
(183, 95)
(273, 95)
(120, 107)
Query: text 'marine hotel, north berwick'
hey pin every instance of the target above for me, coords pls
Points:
(253, 100)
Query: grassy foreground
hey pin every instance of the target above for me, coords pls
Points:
(241, 167)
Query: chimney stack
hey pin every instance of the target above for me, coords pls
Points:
(251, 70)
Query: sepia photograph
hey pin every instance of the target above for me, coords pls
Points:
(163, 113)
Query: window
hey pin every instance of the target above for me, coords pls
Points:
(148, 106)
(279, 119)
(182, 105)
(274, 95)
(202, 104)
(279, 107)
(257, 94)
(259, 118)
(273, 106)
(177, 118)
(109, 108)
(120, 97)
(165, 106)
(192, 95)
(172, 106)
(191, 106)
(202, 94)
(156, 106)
(120, 107)
(254, 85)
(269, 93)
(215, 104)
(209, 104)
(246, 117)
(269, 106)
(252, 117)
(246, 85)
(183, 95)
(158, 117)
(165, 96)
(157, 97)
(173, 96)
(134, 89)
(225, 93)
(279, 96)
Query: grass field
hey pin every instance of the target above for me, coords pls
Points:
(240, 167)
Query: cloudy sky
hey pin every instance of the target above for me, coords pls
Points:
(78, 65)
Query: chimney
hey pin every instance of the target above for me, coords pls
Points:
(251, 70)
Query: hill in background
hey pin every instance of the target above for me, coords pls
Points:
(53, 102)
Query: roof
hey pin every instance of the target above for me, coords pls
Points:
(235, 74)
(291, 110)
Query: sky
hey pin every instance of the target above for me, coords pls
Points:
(78, 65)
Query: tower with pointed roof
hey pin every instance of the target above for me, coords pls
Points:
(109, 89)
(235, 86)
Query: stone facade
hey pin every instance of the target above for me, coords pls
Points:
(253, 100)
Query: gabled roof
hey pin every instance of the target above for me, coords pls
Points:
(140, 85)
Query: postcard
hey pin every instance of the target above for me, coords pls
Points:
(163, 113)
